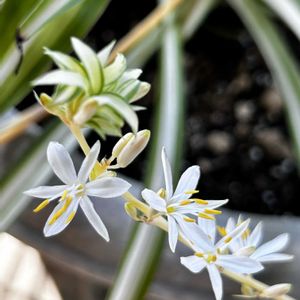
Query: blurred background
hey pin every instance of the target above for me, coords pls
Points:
(239, 120)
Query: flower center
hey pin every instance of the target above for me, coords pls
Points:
(208, 257)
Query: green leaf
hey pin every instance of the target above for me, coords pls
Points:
(76, 21)
(278, 57)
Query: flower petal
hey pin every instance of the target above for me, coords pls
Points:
(154, 200)
(114, 71)
(209, 227)
(215, 203)
(187, 182)
(239, 264)
(216, 280)
(61, 77)
(61, 163)
(65, 61)
(255, 236)
(275, 257)
(46, 191)
(167, 173)
(272, 246)
(103, 55)
(192, 232)
(89, 163)
(193, 263)
(143, 89)
(233, 235)
(173, 233)
(107, 187)
(91, 214)
(63, 221)
(91, 63)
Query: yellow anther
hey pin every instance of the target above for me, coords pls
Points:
(162, 193)
(70, 217)
(201, 201)
(79, 187)
(191, 192)
(213, 211)
(211, 258)
(206, 216)
(185, 202)
(221, 230)
(52, 221)
(228, 240)
(246, 234)
(198, 254)
(64, 195)
(171, 209)
(41, 206)
(61, 210)
(188, 219)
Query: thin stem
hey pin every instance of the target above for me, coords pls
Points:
(144, 208)
(80, 138)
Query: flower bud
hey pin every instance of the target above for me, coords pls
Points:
(121, 144)
(133, 146)
(131, 211)
(43, 99)
(85, 111)
(276, 290)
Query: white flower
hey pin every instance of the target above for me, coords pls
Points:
(75, 190)
(177, 205)
(214, 257)
(266, 252)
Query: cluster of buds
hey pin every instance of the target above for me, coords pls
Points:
(93, 91)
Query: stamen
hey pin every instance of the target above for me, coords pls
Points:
(213, 211)
(79, 187)
(191, 192)
(205, 216)
(41, 206)
(221, 230)
(188, 219)
(162, 193)
(211, 258)
(64, 195)
(246, 234)
(201, 201)
(185, 202)
(198, 254)
(228, 240)
(70, 217)
(171, 209)
(61, 210)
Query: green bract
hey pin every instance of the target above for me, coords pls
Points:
(93, 91)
